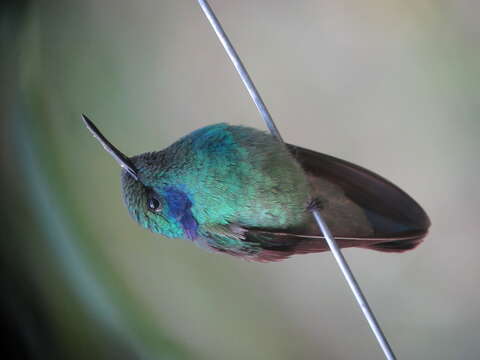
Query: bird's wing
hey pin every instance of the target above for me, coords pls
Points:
(390, 212)
(361, 208)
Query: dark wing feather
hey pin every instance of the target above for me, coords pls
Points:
(391, 211)
(361, 208)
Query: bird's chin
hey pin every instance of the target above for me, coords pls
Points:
(165, 229)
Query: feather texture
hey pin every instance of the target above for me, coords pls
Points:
(236, 190)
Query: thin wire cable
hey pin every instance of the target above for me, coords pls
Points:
(232, 54)
(342, 263)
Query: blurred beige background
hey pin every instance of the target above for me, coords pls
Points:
(390, 85)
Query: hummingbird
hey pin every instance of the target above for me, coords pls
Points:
(239, 191)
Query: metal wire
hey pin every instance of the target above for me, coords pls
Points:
(342, 263)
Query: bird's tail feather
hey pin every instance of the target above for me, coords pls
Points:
(281, 246)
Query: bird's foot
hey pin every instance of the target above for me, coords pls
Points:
(317, 204)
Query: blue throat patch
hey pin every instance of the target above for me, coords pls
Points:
(179, 207)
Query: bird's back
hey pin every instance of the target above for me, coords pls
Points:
(241, 175)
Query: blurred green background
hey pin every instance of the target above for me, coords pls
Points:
(390, 85)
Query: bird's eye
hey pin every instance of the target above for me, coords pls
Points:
(154, 205)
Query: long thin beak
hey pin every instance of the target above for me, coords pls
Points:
(123, 160)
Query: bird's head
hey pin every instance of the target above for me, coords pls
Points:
(147, 196)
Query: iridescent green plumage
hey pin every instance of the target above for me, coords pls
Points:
(235, 177)
(237, 190)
